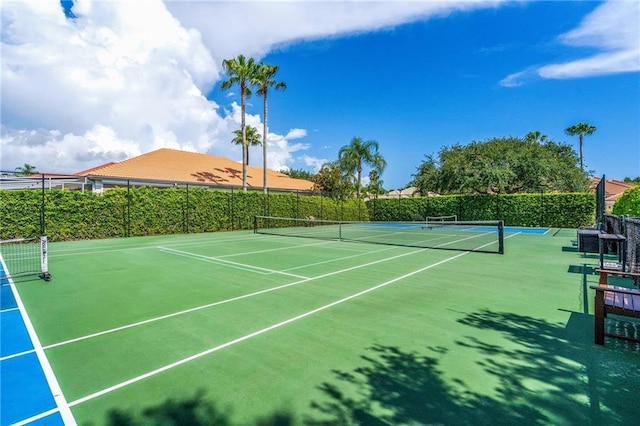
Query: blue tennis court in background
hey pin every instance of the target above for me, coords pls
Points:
(25, 390)
(445, 226)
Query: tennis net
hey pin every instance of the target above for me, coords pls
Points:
(481, 236)
(24, 256)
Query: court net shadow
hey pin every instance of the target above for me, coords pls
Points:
(554, 374)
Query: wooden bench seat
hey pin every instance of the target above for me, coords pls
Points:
(614, 300)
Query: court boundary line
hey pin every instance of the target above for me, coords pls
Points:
(241, 297)
(255, 333)
(259, 332)
(62, 405)
(221, 302)
(267, 329)
(114, 248)
(228, 263)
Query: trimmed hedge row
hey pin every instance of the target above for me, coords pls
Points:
(546, 210)
(153, 211)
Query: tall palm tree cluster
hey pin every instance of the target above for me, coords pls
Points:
(247, 74)
(352, 158)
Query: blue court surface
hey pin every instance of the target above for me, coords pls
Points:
(25, 394)
(466, 228)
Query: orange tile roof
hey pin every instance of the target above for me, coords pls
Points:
(613, 189)
(189, 167)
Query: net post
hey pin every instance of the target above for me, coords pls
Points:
(255, 224)
(44, 258)
(501, 237)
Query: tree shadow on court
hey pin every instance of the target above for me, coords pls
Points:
(548, 374)
(192, 411)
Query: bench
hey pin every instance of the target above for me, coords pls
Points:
(614, 300)
(604, 274)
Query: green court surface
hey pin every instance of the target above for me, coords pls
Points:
(259, 329)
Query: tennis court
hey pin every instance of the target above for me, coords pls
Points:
(249, 329)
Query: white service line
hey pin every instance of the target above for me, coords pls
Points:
(221, 302)
(242, 266)
(233, 299)
(254, 334)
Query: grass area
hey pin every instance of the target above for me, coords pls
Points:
(254, 329)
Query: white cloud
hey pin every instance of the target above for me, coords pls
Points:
(613, 28)
(296, 134)
(314, 162)
(127, 77)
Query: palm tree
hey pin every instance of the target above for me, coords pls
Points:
(252, 137)
(580, 129)
(352, 157)
(241, 71)
(26, 170)
(536, 137)
(375, 183)
(264, 80)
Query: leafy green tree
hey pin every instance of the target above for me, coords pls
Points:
(265, 80)
(501, 166)
(332, 181)
(427, 176)
(628, 203)
(241, 71)
(582, 130)
(299, 174)
(251, 136)
(26, 170)
(352, 158)
(635, 181)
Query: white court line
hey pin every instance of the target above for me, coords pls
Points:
(288, 247)
(41, 416)
(75, 251)
(233, 299)
(264, 330)
(16, 355)
(360, 254)
(9, 310)
(54, 386)
(221, 302)
(223, 262)
(254, 334)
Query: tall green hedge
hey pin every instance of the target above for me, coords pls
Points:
(547, 210)
(122, 212)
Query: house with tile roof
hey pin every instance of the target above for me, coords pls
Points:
(168, 167)
(613, 189)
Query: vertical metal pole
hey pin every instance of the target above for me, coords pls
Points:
(42, 208)
(187, 218)
(501, 237)
(231, 211)
(128, 230)
(542, 207)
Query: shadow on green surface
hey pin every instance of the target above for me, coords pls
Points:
(552, 374)
(195, 411)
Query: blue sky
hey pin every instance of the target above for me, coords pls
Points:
(414, 76)
(422, 86)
